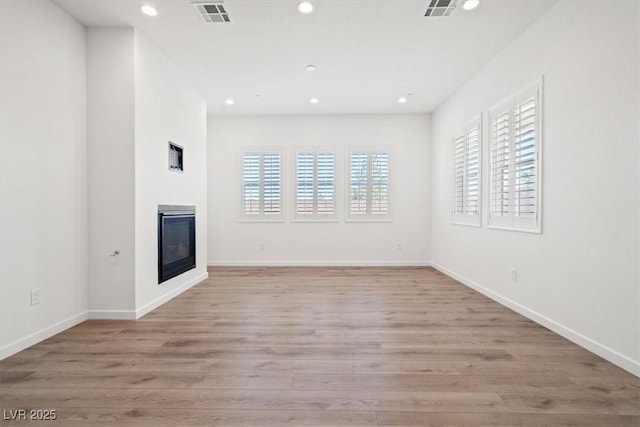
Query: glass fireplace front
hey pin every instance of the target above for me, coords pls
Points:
(176, 240)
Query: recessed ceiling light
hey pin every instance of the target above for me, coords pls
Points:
(305, 7)
(149, 10)
(310, 67)
(229, 101)
(402, 100)
(314, 100)
(470, 4)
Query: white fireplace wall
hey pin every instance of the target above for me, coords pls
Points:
(138, 103)
(167, 108)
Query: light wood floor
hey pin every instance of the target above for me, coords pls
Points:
(320, 347)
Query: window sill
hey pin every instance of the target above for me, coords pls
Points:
(261, 220)
(329, 220)
(530, 230)
(368, 220)
(468, 224)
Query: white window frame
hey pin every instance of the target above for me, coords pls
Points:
(314, 216)
(262, 216)
(511, 221)
(369, 216)
(465, 216)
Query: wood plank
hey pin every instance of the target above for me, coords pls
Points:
(598, 370)
(303, 400)
(418, 419)
(572, 403)
(150, 379)
(459, 383)
(143, 417)
(336, 366)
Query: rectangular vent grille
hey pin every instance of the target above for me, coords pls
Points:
(441, 7)
(212, 12)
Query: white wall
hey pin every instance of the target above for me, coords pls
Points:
(580, 277)
(43, 217)
(638, 151)
(295, 243)
(167, 108)
(111, 121)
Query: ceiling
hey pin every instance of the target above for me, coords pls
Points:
(368, 53)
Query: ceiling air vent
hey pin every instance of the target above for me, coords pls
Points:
(441, 7)
(212, 12)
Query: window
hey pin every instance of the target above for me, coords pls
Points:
(315, 192)
(369, 184)
(466, 147)
(515, 165)
(262, 184)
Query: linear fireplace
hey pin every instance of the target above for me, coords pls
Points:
(176, 240)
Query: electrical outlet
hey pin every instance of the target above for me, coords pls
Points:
(35, 296)
(399, 247)
(262, 246)
(514, 274)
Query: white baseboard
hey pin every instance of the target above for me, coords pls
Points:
(318, 264)
(169, 295)
(112, 314)
(26, 342)
(593, 346)
(48, 332)
(138, 313)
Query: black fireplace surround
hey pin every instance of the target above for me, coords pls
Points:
(176, 240)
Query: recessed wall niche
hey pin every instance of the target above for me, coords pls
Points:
(175, 157)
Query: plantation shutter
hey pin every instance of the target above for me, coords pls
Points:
(458, 174)
(472, 172)
(261, 184)
(251, 183)
(369, 184)
(304, 183)
(271, 180)
(326, 197)
(315, 183)
(500, 167)
(515, 162)
(466, 147)
(358, 182)
(379, 183)
(525, 161)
